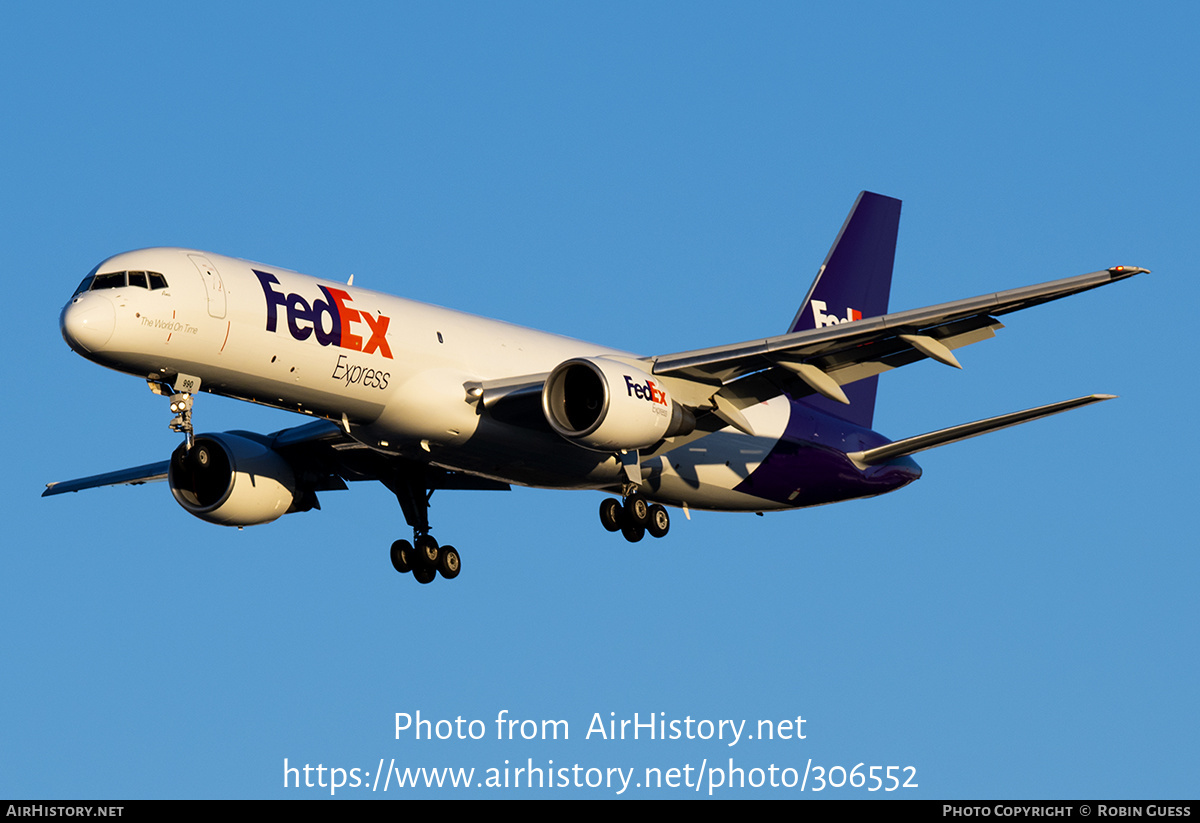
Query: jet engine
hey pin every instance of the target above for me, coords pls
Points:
(231, 480)
(607, 405)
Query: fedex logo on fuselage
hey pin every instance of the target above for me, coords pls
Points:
(821, 319)
(645, 391)
(306, 320)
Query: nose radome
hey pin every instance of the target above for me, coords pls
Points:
(88, 321)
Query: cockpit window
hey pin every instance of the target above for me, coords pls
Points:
(118, 279)
(112, 280)
(86, 283)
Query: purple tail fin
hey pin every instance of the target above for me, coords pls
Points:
(855, 281)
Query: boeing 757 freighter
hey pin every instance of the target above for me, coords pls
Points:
(422, 398)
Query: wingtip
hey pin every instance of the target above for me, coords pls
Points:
(1126, 271)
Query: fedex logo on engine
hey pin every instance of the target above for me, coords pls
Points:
(821, 319)
(645, 391)
(331, 320)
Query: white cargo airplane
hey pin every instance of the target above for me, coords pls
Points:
(423, 398)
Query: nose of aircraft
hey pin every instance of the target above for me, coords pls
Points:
(88, 321)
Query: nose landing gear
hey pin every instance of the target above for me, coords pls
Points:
(180, 393)
(181, 406)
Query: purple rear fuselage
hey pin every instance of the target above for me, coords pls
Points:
(809, 466)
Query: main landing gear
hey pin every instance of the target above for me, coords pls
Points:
(423, 556)
(636, 517)
(426, 559)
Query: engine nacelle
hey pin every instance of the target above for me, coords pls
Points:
(606, 405)
(231, 480)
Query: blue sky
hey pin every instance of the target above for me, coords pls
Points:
(1019, 623)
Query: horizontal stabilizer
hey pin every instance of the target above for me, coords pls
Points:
(149, 473)
(912, 445)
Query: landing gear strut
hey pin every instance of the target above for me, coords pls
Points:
(636, 517)
(180, 393)
(423, 556)
(181, 406)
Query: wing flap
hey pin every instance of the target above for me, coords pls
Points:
(852, 364)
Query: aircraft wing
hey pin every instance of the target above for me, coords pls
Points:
(825, 358)
(149, 473)
(725, 379)
(323, 457)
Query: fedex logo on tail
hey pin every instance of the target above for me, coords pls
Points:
(645, 391)
(332, 320)
(821, 319)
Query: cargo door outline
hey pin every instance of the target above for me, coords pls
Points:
(212, 285)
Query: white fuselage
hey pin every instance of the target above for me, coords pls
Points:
(395, 372)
